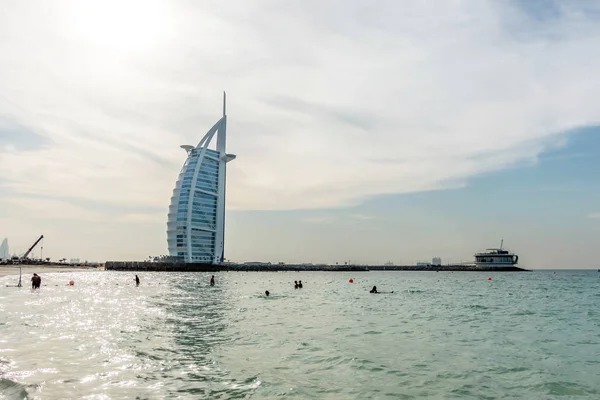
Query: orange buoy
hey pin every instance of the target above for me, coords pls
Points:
(71, 283)
(489, 279)
(351, 280)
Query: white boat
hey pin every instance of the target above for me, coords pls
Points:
(496, 258)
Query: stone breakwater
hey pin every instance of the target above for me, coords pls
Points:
(197, 267)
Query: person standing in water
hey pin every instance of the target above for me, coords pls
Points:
(137, 281)
(299, 284)
(212, 280)
(295, 284)
(374, 290)
(36, 281)
(267, 293)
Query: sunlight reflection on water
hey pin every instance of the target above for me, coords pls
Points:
(439, 335)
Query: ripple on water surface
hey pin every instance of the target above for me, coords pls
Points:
(439, 335)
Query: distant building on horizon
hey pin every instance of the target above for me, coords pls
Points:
(436, 261)
(196, 219)
(4, 250)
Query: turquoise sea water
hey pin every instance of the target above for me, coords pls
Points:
(438, 336)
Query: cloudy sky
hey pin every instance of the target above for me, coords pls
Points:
(368, 131)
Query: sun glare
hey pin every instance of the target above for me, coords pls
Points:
(127, 25)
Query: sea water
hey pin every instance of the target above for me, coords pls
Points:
(439, 335)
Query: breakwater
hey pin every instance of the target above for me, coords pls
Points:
(198, 267)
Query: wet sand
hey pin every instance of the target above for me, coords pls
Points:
(28, 270)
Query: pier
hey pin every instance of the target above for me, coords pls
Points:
(198, 267)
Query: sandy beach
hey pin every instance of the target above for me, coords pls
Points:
(28, 270)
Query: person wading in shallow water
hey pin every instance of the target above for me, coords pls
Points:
(137, 281)
(212, 280)
(36, 281)
(267, 293)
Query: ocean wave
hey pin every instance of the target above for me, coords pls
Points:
(11, 390)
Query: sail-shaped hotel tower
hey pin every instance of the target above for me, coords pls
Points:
(196, 221)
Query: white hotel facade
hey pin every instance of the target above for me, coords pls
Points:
(196, 219)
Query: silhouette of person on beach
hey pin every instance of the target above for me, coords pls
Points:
(36, 281)
(299, 284)
(295, 284)
(137, 281)
(374, 290)
(212, 281)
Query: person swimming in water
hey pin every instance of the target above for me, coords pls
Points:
(36, 281)
(212, 280)
(299, 284)
(295, 284)
(137, 281)
(267, 293)
(374, 290)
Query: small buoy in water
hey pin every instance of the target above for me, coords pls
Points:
(489, 279)
(351, 280)
(71, 283)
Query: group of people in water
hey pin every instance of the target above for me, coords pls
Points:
(297, 285)
(36, 282)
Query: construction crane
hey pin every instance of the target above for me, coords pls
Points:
(24, 257)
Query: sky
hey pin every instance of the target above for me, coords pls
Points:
(365, 131)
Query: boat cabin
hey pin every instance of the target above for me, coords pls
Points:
(496, 256)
